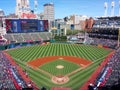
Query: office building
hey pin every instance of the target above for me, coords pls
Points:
(49, 11)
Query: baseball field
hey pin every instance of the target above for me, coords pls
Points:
(59, 65)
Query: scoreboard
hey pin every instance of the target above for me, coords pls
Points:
(26, 25)
(29, 25)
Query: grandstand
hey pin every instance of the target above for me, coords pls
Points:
(26, 37)
(105, 31)
(10, 76)
(109, 77)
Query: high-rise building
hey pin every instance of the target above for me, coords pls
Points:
(49, 11)
(22, 6)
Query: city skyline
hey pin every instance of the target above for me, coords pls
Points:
(91, 8)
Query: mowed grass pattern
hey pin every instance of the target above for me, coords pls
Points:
(51, 67)
(26, 54)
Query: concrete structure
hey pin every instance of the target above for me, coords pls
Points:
(12, 15)
(2, 13)
(76, 21)
(22, 6)
(58, 27)
(89, 23)
(60, 24)
(49, 11)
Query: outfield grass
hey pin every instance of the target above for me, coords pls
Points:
(26, 54)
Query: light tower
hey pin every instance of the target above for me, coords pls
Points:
(112, 8)
(28, 5)
(119, 8)
(106, 8)
(35, 6)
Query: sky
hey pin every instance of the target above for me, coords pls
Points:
(63, 8)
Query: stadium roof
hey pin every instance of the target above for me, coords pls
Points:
(110, 17)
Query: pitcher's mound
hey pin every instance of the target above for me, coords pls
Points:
(59, 66)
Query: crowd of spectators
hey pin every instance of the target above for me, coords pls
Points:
(110, 75)
(2, 40)
(27, 37)
(10, 78)
(104, 42)
(107, 22)
(105, 31)
(114, 63)
(6, 81)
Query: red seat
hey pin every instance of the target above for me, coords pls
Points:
(0, 37)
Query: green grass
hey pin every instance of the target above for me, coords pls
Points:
(51, 67)
(26, 54)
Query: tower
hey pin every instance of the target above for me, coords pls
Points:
(112, 8)
(49, 11)
(22, 6)
(105, 8)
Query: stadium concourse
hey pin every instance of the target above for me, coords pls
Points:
(12, 77)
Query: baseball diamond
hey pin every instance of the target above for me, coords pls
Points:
(59, 65)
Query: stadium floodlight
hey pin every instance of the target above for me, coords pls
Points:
(119, 7)
(105, 7)
(28, 2)
(112, 9)
(35, 5)
(112, 3)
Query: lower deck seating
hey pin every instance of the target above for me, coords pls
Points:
(28, 37)
(10, 78)
(111, 77)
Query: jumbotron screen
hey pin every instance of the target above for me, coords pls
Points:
(26, 25)
(29, 25)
